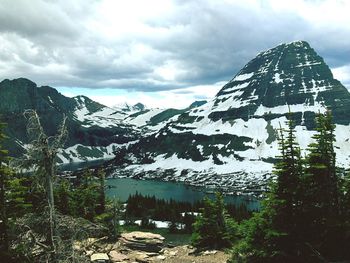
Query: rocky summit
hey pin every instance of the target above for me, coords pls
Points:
(231, 141)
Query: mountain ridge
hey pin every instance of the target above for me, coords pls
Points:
(95, 130)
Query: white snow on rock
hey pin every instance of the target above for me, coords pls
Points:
(243, 77)
(110, 117)
(83, 153)
(237, 87)
(283, 109)
(142, 119)
(230, 165)
(277, 78)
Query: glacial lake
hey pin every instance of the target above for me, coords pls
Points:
(121, 188)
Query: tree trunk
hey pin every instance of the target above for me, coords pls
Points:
(49, 174)
(102, 191)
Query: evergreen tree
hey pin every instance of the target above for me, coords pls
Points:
(345, 199)
(213, 228)
(13, 202)
(285, 199)
(86, 197)
(4, 174)
(102, 200)
(63, 197)
(321, 193)
(272, 235)
(114, 210)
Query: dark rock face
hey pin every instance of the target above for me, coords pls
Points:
(18, 95)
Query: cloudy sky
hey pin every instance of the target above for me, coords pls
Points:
(164, 53)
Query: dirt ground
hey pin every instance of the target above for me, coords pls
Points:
(183, 254)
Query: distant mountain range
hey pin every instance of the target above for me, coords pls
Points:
(95, 131)
(229, 141)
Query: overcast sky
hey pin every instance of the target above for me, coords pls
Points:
(164, 53)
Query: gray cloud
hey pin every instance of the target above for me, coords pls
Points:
(60, 43)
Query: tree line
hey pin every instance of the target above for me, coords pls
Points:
(176, 212)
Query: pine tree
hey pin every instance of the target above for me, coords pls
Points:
(213, 228)
(321, 193)
(272, 235)
(4, 173)
(102, 177)
(285, 196)
(63, 197)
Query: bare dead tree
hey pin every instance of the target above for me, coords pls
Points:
(72, 241)
(40, 157)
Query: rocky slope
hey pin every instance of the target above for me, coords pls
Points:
(231, 140)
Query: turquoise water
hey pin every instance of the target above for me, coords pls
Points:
(121, 188)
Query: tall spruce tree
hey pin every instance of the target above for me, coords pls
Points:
(272, 235)
(285, 195)
(321, 193)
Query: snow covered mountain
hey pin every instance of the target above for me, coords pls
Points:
(95, 131)
(232, 139)
(125, 107)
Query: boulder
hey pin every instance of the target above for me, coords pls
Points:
(209, 252)
(115, 256)
(142, 258)
(99, 257)
(143, 241)
(161, 257)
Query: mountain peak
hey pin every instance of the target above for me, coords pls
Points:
(125, 107)
(139, 106)
(288, 74)
(20, 82)
(298, 43)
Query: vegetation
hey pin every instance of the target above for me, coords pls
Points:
(213, 227)
(149, 207)
(4, 174)
(302, 219)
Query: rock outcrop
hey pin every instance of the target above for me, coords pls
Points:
(143, 241)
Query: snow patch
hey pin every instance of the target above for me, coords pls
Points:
(242, 77)
(277, 78)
